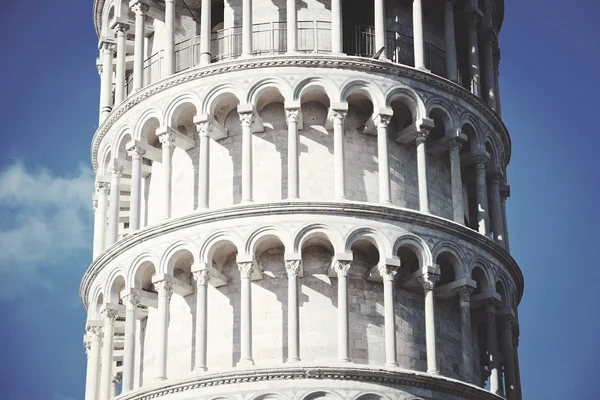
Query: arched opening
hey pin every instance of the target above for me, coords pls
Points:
(410, 262)
(448, 264)
(468, 177)
(403, 116)
(480, 279)
(501, 290)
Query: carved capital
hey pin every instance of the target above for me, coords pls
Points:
(131, 300)
(204, 128)
(338, 116)
(428, 280)
(292, 115)
(201, 277)
(164, 288)
(450, 4)
(387, 272)
(116, 170)
(464, 293)
(109, 315)
(490, 305)
(481, 160)
(121, 27)
(167, 138)
(136, 152)
(140, 8)
(421, 136)
(455, 145)
(382, 120)
(342, 267)
(292, 268)
(245, 269)
(472, 20)
(94, 333)
(247, 119)
(494, 178)
(507, 323)
(102, 188)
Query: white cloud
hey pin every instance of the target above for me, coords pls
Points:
(45, 221)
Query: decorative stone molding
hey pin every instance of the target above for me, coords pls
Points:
(245, 269)
(292, 115)
(428, 280)
(382, 120)
(136, 151)
(131, 300)
(292, 268)
(388, 272)
(464, 294)
(247, 119)
(102, 188)
(201, 277)
(165, 287)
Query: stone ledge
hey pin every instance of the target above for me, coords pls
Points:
(360, 373)
(366, 65)
(347, 209)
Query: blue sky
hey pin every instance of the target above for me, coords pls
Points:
(49, 103)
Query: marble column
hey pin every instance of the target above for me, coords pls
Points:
(204, 130)
(428, 281)
(292, 26)
(106, 98)
(115, 384)
(481, 160)
(169, 62)
(497, 219)
(136, 153)
(247, 28)
(205, 32)
(338, 117)
(201, 278)
(131, 302)
(102, 190)
(490, 312)
(165, 290)
(336, 27)
(508, 354)
(106, 374)
(341, 268)
(516, 360)
(120, 31)
(388, 272)
(472, 21)
(93, 364)
(292, 116)
(466, 337)
(114, 204)
(380, 28)
(247, 119)
(488, 70)
(456, 181)
(450, 40)
(422, 171)
(245, 269)
(504, 194)
(497, 81)
(292, 268)
(419, 42)
(382, 122)
(140, 11)
(167, 139)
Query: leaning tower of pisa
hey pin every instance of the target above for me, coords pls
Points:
(300, 199)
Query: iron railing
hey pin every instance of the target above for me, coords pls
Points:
(271, 38)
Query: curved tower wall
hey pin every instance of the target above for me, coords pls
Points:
(287, 212)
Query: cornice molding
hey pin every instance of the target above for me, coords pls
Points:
(347, 209)
(308, 61)
(388, 377)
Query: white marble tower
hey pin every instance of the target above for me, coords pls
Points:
(301, 199)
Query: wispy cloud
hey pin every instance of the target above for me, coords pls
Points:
(45, 221)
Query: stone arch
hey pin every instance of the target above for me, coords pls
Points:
(469, 125)
(309, 89)
(181, 112)
(270, 396)
(374, 237)
(417, 245)
(108, 14)
(317, 230)
(123, 137)
(408, 97)
(104, 157)
(493, 148)
(265, 90)
(479, 272)
(149, 119)
(115, 283)
(461, 266)
(215, 241)
(265, 233)
(370, 396)
(438, 106)
(143, 267)
(366, 88)
(221, 100)
(322, 394)
(503, 289)
(173, 253)
(95, 301)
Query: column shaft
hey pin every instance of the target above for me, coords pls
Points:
(93, 373)
(136, 154)
(205, 32)
(497, 219)
(464, 294)
(247, 120)
(387, 273)
(456, 180)
(114, 205)
(509, 361)
(292, 26)
(169, 38)
(482, 198)
(246, 314)
(341, 268)
(497, 82)
(100, 218)
(382, 123)
(167, 140)
(247, 28)
(380, 28)
(488, 71)
(428, 281)
(292, 116)
(138, 52)
(165, 289)
(106, 100)
(131, 303)
(473, 44)
(450, 39)
(492, 349)
(120, 93)
(419, 43)
(338, 150)
(204, 167)
(293, 268)
(422, 172)
(336, 27)
(201, 278)
(106, 374)
(505, 224)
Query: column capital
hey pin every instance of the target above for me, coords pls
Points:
(388, 271)
(131, 300)
(109, 315)
(164, 286)
(247, 118)
(338, 112)
(166, 137)
(494, 177)
(481, 159)
(201, 277)
(136, 151)
(472, 18)
(106, 44)
(102, 187)
(341, 267)
(292, 268)
(120, 25)
(116, 169)
(455, 144)
(491, 304)
(204, 127)
(139, 8)
(292, 115)
(246, 268)
(94, 332)
(428, 280)
(507, 322)
(464, 293)
(449, 4)
(382, 120)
